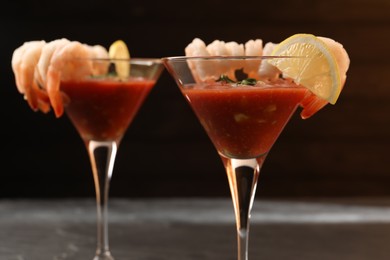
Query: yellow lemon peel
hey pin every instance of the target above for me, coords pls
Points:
(317, 70)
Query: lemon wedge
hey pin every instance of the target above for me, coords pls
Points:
(317, 70)
(118, 50)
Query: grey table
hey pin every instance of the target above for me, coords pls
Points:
(186, 229)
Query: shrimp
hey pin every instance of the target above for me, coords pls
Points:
(39, 68)
(58, 63)
(196, 48)
(199, 69)
(234, 49)
(253, 48)
(204, 71)
(24, 60)
(341, 56)
(311, 103)
(63, 66)
(44, 60)
(212, 70)
(98, 52)
(267, 71)
(218, 48)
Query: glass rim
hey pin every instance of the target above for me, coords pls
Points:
(225, 57)
(138, 61)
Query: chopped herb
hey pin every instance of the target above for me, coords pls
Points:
(225, 78)
(248, 81)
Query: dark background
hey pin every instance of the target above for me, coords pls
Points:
(341, 151)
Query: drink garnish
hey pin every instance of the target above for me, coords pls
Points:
(248, 81)
(319, 72)
(225, 79)
(318, 63)
(118, 50)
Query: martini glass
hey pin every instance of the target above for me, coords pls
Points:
(101, 108)
(242, 116)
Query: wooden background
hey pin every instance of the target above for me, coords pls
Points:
(341, 151)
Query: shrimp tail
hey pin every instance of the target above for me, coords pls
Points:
(311, 104)
(29, 94)
(43, 102)
(53, 91)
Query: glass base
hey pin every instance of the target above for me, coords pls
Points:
(103, 256)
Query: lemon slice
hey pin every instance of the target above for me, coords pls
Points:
(118, 50)
(317, 70)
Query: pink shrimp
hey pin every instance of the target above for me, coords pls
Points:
(39, 68)
(266, 70)
(341, 56)
(234, 49)
(253, 48)
(24, 61)
(218, 48)
(98, 52)
(63, 65)
(199, 69)
(44, 59)
(212, 71)
(312, 104)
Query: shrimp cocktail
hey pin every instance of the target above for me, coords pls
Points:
(244, 95)
(100, 91)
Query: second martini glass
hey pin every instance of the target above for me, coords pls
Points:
(242, 116)
(101, 109)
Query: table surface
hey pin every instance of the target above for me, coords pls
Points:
(192, 228)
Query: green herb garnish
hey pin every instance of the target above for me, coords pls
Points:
(248, 81)
(225, 78)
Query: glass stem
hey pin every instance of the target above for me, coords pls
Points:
(243, 175)
(102, 156)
